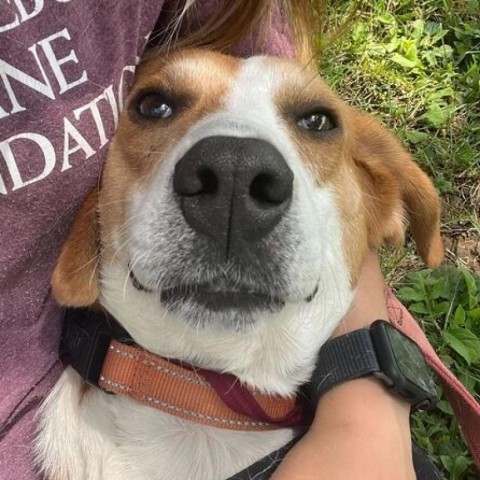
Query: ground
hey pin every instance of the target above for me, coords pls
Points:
(416, 66)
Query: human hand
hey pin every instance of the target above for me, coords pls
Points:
(361, 431)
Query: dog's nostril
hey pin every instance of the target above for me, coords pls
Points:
(270, 188)
(208, 180)
(191, 182)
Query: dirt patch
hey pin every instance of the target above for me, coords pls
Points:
(462, 246)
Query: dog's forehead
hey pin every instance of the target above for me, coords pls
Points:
(239, 81)
(258, 84)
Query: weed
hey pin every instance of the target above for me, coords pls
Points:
(416, 65)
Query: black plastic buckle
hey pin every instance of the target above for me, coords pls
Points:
(85, 340)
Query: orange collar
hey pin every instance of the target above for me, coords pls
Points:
(89, 340)
(196, 395)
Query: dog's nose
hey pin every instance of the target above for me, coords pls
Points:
(232, 187)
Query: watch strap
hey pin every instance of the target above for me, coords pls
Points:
(344, 358)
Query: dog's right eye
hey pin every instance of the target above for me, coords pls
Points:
(317, 122)
(153, 105)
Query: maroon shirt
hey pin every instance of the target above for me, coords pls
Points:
(65, 68)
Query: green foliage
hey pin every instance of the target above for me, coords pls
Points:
(416, 65)
(446, 302)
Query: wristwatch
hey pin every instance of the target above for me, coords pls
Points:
(381, 351)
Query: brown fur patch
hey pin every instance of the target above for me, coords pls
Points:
(85, 391)
(400, 189)
(136, 152)
(74, 280)
(377, 185)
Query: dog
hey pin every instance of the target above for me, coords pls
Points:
(238, 201)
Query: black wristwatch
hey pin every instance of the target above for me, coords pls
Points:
(381, 351)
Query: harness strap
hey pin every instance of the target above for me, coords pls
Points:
(105, 355)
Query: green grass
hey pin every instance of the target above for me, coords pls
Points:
(446, 302)
(416, 65)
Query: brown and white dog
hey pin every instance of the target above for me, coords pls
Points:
(237, 204)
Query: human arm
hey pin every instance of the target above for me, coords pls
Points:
(360, 429)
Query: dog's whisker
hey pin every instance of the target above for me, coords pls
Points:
(94, 274)
(130, 268)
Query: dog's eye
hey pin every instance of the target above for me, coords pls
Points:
(154, 105)
(316, 122)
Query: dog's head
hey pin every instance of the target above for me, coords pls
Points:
(236, 207)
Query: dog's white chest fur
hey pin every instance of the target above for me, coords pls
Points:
(107, 437)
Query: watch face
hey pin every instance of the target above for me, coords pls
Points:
(410, 361)
(403, 365)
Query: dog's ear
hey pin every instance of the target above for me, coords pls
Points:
(396, 190)
(75, 279)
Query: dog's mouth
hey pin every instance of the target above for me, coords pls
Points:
(218, 296)
(215, 296)
(215, 299)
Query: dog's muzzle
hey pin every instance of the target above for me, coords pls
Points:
(232, 196)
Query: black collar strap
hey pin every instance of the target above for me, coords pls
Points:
(85, 340)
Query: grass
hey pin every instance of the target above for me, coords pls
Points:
(447, 304)
(416, 65)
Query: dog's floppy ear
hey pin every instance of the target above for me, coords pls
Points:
(74, 280)
(397, 190)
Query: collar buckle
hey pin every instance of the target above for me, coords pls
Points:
(85, 341)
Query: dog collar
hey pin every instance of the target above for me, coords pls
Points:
(105, 355)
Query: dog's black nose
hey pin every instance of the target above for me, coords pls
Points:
(233, 188)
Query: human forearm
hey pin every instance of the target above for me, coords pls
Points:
(361, 430)
(369, 302)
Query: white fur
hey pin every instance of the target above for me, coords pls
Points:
(113, 438)
(109, 437)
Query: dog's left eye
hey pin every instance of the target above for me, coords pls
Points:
(153, 105)
(316, 122)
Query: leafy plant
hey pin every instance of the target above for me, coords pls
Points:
(446, 302)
